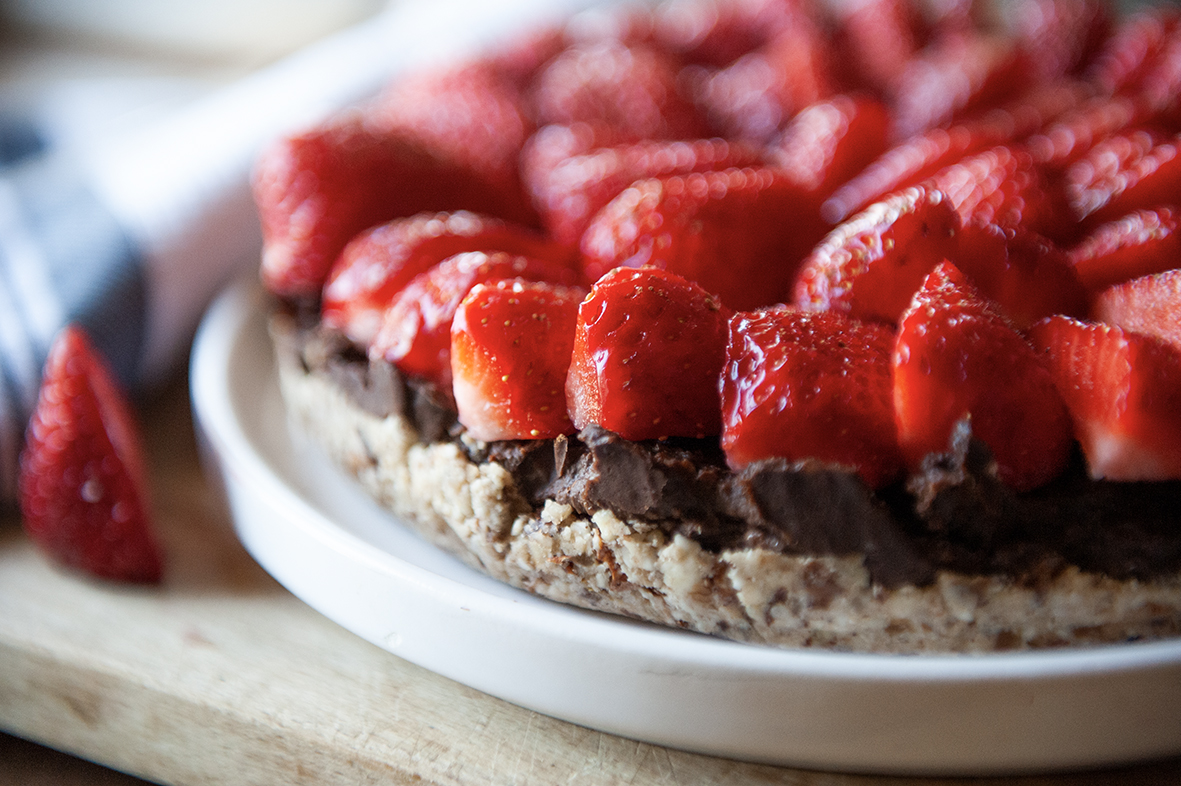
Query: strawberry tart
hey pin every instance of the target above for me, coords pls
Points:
(854, 330)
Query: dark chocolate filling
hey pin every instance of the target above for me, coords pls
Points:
(954, 515)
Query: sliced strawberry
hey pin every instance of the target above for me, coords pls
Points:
(1123, 391)
(315, 191)
(1139, 244)
(753, 97)
(827, 143)
(716, 32)
(958, 358)
(377, 264)
(800, 385)
(1026, 276)
(570, 193)
(83, 488)
(1002, 186)
(955, 77)
(510, 351)
(871, 265)
(1150, 305)
(648, 353)
(1132, 49)
(1129, 171)
(877, 40)
(728, 231)
(632, 89)
(471, 116)
(1061, 37)
(1061, 142)
(415, 332)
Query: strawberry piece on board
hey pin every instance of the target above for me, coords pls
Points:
(738, 233)
(632, 89)
(1139, 244)
(871, 265)
(83, 487)
(415, 332)
(800, 385)
(1134, 170)
(511, 342)
(570, 193)
(1026, 276)
(956, 358)
(648, 352)
(377, 264)
(1150, 305)
(1123, 391)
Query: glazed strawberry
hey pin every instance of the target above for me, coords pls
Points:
(955, 358)
(648, 352)
(83, 489)
(728, 231)
(315, 191)
(510, 350)
(1129, 171)
(1150, 305)
(632, 89)
(827, 143)
(1026, 276)
(415, 332)
(1123, 391)
(800, 385)
(471, 116)
(871, 265)
(954, 78)
(377, 264)
(569, 194)
(1139, 244)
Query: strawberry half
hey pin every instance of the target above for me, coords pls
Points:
(871, 265)
(415, 333)
(1139, 244)
(83, 489)
(1150, 305)
(377, 264)
(955, 358)
(738, 233)
(648, 353)
(1135, 170)
(1123, 391)
(510, 351)
(800, 385)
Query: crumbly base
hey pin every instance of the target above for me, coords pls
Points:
(633, 568)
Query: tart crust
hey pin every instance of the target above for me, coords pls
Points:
(634, 568)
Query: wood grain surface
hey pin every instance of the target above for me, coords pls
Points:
(221, 676)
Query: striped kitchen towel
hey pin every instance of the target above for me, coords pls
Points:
(133, 240)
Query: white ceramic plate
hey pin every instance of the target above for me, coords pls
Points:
(320, 536)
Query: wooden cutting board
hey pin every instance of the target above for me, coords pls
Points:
(222, 676)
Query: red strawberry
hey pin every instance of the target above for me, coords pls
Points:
(1060, 36)
(570, 193)
(1129, 171)
(958, 76)
(1123, 391)
(957, 358)
(802, 385)
(83, 489)
(632, 89)
(376, 265)
(738, 233)
(510, 350)
(648, 352)
(1150, 305)
(877, 39)
(716, 32)
(471, 116)
(1026, 276)
(415, 332)
(1061, 142)
(315, 191)
(871, 265)
(829, 142)
(918, 157)
(1139, 244)
(753, 97)
(1132, 49)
